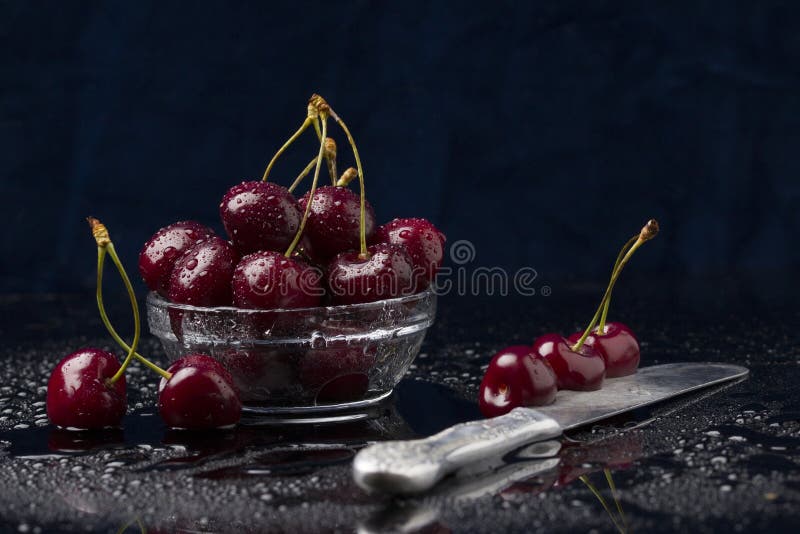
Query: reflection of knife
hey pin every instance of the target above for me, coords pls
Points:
(415, 466)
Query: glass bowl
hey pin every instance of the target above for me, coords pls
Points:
(302, 361)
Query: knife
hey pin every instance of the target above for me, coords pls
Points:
(414, 466)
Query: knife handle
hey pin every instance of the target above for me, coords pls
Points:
(417, 465)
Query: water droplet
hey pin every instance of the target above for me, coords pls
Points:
(191, 264)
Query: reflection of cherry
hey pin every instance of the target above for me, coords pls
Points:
(61, 440)
(516, 377)
(580, 369)
(80, 395)
(618, 347)
(199, 394)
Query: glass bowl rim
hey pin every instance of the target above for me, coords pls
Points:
(156, 300)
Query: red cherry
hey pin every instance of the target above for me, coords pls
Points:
(160, 252)
(516, 377)
(78, 395)
(387, 273)
(260, 216)
(583, 370)
(269, 280)
(424, 242)
(338, 374)
(202, 276)
(617, 345)
(199, 395)
(333, 220)
(261, 374)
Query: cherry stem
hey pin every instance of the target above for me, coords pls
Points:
(306, 123)
(647, 233)
(363, 228)
(320, 156)
(602, 324)
(108, 325)
(104, 245)
(603, 502)
(330, 158)
(137, 327)
(303, 174)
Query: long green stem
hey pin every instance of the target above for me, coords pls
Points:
(137, 325)
(303, 174)
(602, 324)
(602, 501)
(639, 242)
(363, 227)
(287, 144)
(101, 253)
(320, 156)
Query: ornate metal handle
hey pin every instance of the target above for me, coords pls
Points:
(417, 465)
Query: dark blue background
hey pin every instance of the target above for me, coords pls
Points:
(545, 132)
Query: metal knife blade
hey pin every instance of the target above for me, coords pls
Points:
(417, 465)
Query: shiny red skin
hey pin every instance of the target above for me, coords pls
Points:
(161, 251)
(202, 276)
(200, 395)
(269, 280)
(77, 393)
(516, 377)
(423, 241)
(333, 224)
(260, 216)
(338, 374)
(580, 371)
(387, 273)
(617, 345)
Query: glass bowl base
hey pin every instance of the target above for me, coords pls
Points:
(365, 408)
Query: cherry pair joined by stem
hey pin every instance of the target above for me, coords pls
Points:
(580, 362)
(87, 388)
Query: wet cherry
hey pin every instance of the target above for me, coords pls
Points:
(580, 369)
(336, 374)
(333, 220)
(160, 252)
(617, 345)
(387, 273)
(424, 242)
(200, 394)
(270, 280)
(516, 377)
(79, 394)
(260, 216)
(202, 276)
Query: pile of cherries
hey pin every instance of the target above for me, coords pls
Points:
(530, 375)
(283, 252)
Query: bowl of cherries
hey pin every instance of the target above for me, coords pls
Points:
(306, 302)
(308, 306)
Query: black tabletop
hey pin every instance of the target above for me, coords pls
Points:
(721, 460)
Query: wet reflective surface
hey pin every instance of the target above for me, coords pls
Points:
(721, 460)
